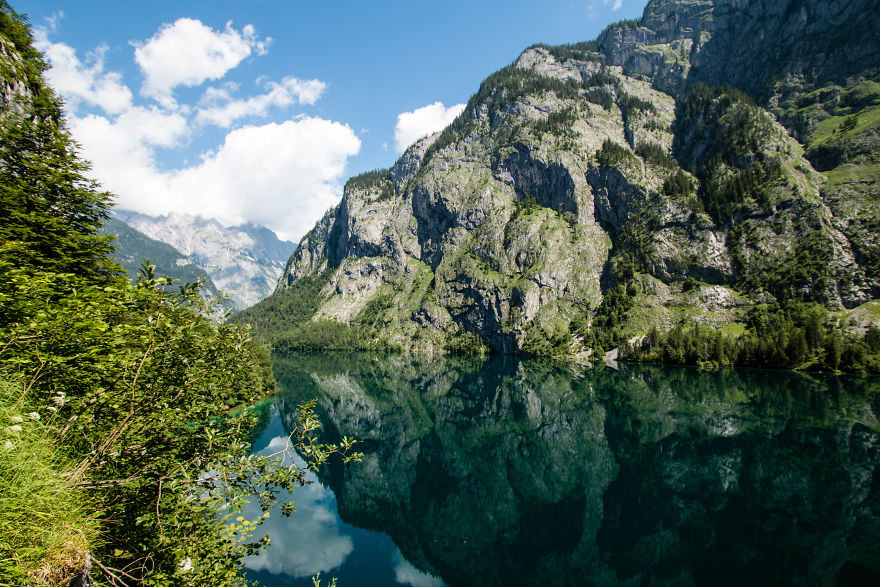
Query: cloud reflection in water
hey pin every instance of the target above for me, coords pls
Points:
(309, 541)
(407, 574)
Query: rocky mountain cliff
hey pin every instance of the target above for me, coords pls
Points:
(714, 154)
(131, 247)
(243, 261)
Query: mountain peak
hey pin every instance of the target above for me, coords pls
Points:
(243, 261)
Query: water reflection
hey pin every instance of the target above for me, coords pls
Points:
(309, 543)
(518, 472)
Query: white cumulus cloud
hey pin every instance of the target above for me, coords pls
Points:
(220, 108)
(82, 82)
(187, 53)
(283, 176)
(423, 121)
(616, 4)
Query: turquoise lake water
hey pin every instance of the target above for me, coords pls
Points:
(508, 471)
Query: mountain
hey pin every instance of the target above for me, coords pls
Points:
(685, 168)
(243, 261)
(132, 247)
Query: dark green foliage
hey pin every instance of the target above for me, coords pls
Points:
(325, 335)
(802, 275)
(378, 180)
(606, 330)
(656, 155)
(286, 308)
(600, 97)
(51, 212)
(721, 134)
(612, 154)
(543, 343)
(558, 123)
(525, 206)
(689, 284)
(678, 185)
(585, 51)
(466, 343)
(626, 23)
(634, 250)
(285, 320)
(724, 195)
(601, 78)
(630, 105)
(791, 335)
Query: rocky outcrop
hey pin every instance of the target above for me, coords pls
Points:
(579, 168)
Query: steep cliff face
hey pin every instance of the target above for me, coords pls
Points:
(622, 166)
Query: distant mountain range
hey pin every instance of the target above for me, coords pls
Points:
(243, 262)
(132, 247)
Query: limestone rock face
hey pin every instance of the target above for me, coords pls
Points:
(244, 262)
(626, 161)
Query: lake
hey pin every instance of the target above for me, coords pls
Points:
(509, 471)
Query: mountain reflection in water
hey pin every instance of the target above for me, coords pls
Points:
(506, 471)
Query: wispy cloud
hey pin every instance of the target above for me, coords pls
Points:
(423, 121)
(220, 108)
(615, 6)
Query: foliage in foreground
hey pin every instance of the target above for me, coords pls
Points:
(134, 383)
(118, 447)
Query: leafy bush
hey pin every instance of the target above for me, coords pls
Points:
(656, 155)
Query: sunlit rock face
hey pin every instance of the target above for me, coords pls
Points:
(520, 472)
(244, 262)
(512, 224)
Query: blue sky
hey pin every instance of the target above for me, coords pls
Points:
(259, 110)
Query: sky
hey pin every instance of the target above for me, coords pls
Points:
(259, 110)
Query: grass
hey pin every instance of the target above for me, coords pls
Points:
(870, 309)
(45, 528)
(734, 329)
(853, 173)
(831, 127)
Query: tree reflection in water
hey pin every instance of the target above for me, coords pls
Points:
(506, 471)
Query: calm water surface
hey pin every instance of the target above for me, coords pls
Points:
(505, 471)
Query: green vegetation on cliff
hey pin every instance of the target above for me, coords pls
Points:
(790, 335)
